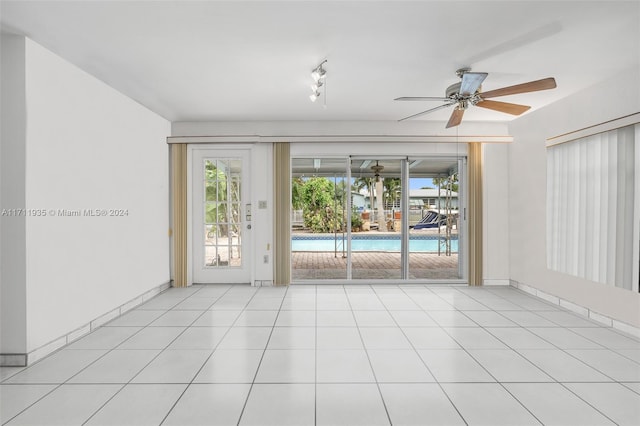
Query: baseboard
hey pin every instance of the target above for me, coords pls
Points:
(495, 282)
(13, 360)
(580, 310)
(23, 360)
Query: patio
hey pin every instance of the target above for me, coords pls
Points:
(372, 265)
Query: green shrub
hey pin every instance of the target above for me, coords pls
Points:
(321, 213)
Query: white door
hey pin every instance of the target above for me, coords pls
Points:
(221, 216)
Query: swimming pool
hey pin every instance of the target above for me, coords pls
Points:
(422, 244)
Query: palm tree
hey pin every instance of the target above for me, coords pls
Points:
(364, 183)
(445, 181)
(296, 193)
(392, 187)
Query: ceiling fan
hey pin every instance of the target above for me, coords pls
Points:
(467, 93)
(376, 170)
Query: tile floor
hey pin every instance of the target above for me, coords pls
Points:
(335, 355)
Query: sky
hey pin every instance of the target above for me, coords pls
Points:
(417, 183)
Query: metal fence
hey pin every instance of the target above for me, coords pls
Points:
(415, 215)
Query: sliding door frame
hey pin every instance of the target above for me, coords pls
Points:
(463, 267)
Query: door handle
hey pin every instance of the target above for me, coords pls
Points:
(249, 226)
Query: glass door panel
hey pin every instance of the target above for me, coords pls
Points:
(434, 219)
(222, 213)
(319, 193)
(219, 238)
(376, 249)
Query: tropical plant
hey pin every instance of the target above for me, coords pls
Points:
(321, 211)
(364, 183)
(296, 193)
(391, 191)
(340, 189)
(356, 220)
(222, 203)
(445, 181)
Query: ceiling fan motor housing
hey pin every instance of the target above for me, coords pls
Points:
(453, 90)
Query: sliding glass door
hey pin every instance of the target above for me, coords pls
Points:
(319, 191)
(369, 219)
(434, 219)
(376, 223)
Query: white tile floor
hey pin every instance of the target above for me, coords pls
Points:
(335, 355)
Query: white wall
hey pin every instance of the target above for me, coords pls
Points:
(89, 147)
(13, 317)
(614, 98)
(262, 219)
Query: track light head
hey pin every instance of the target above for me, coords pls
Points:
(318, 74)
(316, 86)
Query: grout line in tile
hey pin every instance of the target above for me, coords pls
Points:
(147, 364)
(429, 369)
(380, 297)
(206, 360)
(366, 351)
(253, 382)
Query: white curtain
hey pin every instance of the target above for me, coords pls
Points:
(592, 213)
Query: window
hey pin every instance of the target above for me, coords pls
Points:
(592, 207)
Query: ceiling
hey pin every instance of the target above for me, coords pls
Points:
(246, 61)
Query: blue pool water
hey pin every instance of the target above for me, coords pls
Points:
(389, 244)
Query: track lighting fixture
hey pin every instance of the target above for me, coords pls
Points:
(318, 72)
(319, 75)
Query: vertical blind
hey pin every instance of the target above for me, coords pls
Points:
(592, 207)
(179, 201)
(282, 213)
(475, 213)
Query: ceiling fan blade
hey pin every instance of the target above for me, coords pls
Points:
(514, 109)
(456, 118)
(421, 98)
(532, 86)
(471, 82)
(427, 111)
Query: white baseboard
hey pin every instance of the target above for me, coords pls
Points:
(23, 360)
(495, 282)
(580, 310)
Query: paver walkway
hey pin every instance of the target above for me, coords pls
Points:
(372, 265)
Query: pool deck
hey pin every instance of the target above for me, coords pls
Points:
(372, 265)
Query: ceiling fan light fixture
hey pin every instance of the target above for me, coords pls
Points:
(376, 170)
(468, 92)
(314, 96)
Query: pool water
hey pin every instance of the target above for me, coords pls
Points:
(417, 245)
